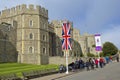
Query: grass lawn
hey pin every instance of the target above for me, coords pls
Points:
(6, 68)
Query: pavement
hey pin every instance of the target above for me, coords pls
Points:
(54, 76)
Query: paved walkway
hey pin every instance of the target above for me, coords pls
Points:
(53, 76)
(109, 72)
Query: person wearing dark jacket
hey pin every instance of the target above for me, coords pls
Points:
(87, 64)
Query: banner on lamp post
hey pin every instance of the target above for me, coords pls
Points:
(98, 42)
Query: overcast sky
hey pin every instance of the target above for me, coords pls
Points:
(91, 16)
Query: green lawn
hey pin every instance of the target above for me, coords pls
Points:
(6, 68)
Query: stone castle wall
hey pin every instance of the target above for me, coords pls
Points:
(8, 52)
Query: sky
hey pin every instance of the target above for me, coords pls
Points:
(91, 16)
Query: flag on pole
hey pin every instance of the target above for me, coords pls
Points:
(66, 38)
(98, 42)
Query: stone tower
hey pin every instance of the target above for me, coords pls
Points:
(87, 44)
(31, 26)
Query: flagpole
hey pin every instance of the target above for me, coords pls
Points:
(66, 61)
(98, 54)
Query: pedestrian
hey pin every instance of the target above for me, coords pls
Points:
(81, 64)
(76, 64)
(117, 57)
(91, 63)
(107, 59)
(110, 58)
(96, 62)
(87, 64)
(101, 62)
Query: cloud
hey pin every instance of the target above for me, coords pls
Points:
(100, 13)
(65, 9)
(112, 35)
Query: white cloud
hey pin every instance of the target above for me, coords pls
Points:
(100, 13)
(112, 35)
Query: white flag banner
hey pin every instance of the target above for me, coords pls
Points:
(98, 42)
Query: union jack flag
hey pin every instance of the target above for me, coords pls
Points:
(66, 38)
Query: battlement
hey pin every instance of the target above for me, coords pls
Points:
(21, 9)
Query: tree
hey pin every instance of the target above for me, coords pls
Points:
(109, 49)
(90, 55)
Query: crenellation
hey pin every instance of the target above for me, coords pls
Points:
(18, 8)
(43, 10)
(12, 11)
(8, 12)
(23, 7)
(5, 13)
(47, 13)
(38, 8)
(31, 7)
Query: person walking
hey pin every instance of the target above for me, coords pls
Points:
(87, 64)
(117, 57)
(101, 62)
(91, 63)
(96, 62)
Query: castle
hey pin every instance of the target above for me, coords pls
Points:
(32, 39)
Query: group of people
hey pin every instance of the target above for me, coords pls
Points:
(88, 63)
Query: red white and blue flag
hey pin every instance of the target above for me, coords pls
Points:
(66, 38)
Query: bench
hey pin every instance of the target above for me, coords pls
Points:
(11, 76)
(37, 73)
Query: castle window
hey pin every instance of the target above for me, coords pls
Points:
(30, 50)
(44, 50)
(44, 37)
(45, 25)
(31, 36)
(31, 23)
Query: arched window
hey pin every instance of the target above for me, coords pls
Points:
(6, 37)
(44, 37)
(31, 36)
(44, 50)
(30, 50)
(30, 23)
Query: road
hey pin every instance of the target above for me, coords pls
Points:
(109, 72)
